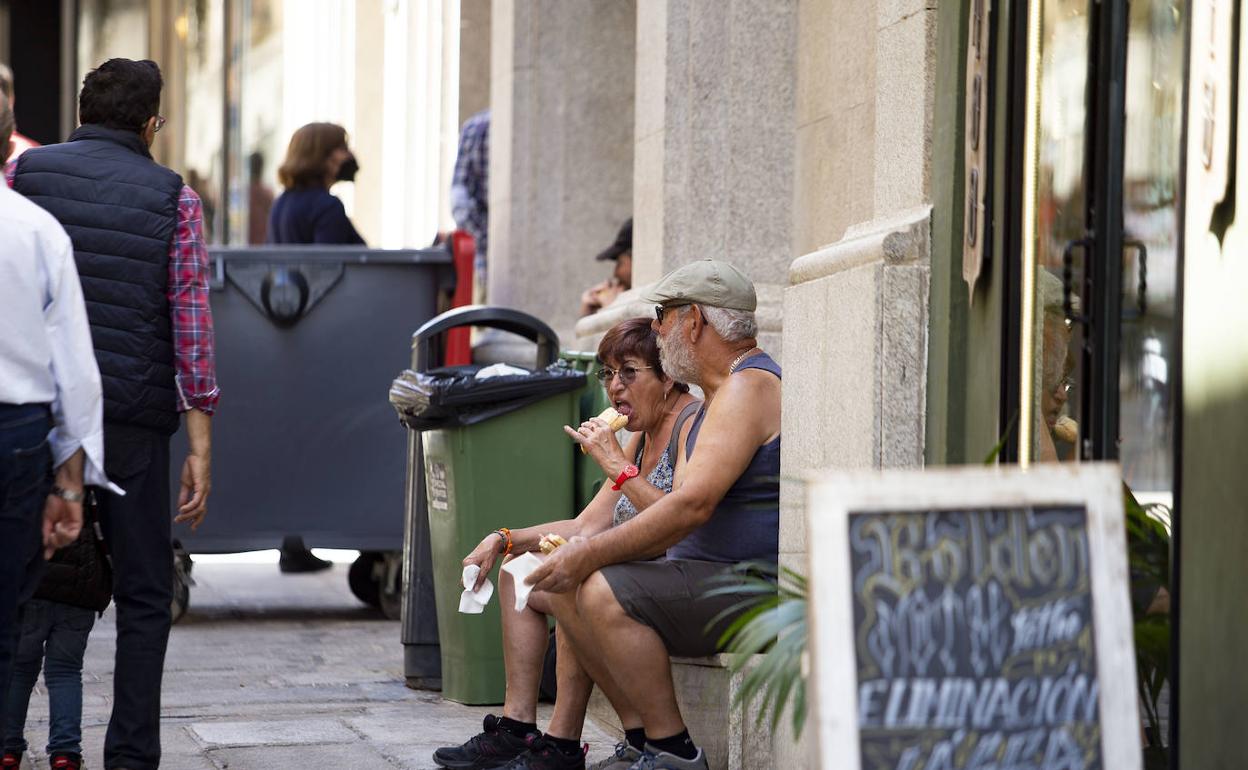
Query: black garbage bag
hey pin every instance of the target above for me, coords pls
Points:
(454, 396)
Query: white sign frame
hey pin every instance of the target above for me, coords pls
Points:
(832, 496)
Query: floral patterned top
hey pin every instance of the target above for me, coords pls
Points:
(660, 477)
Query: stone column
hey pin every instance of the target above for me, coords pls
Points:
(474, 58)
(561, 150)
(714, 166)
(856, 308)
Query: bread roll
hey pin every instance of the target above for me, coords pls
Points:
(549, 543)
(1066, 429)
(614, 420)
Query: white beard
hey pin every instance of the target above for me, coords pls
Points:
(677, 359)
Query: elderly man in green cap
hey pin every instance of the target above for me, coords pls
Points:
(627, 612)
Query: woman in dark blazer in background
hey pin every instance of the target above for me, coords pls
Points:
(306, 212)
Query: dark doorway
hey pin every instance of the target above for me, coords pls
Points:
(35, 58)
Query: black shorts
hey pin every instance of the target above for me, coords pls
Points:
(669, 596)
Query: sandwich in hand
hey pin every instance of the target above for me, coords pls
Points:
(613, 419)
(549, 543)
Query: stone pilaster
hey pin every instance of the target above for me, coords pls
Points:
(561, 150)
(474, 58)
(714, 166)
(856, 309)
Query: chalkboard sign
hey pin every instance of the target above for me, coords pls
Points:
(972, 618)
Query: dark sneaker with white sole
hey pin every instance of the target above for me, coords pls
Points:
(489, 749)
(623, 758)
(542, 755)
(653, 759)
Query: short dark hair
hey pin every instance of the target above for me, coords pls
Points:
(6, 128)
(121, 94)
(634, 337)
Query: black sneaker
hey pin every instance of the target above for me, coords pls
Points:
(542, 755)
(492, 748)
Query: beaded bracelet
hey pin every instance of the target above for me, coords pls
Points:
(505, 546)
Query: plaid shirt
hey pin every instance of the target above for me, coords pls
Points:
(470, 189)
(194, 358)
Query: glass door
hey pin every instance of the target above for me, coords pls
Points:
(1149, 325)
(1057, 220)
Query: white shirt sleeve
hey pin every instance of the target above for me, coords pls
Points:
(79, 406)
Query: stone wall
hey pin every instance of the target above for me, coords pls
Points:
(561, 150)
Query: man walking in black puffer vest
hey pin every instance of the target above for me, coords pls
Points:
(137, 233)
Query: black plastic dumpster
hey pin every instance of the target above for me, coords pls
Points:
(493, 454)
(302, 444)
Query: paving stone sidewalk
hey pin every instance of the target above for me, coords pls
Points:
(280, 671)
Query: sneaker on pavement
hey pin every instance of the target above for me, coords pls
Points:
(623, 758)
(489, 749)
(653, 759)
(65, 761)
(10, 760)
(542, 755)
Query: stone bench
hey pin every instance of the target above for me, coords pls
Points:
(705, 688)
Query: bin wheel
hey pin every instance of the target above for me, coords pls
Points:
(363, 580)
(391, 585)
(182, 582)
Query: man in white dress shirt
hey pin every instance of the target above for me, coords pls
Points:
(51, 412)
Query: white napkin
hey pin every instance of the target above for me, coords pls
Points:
(520, 568)
(473, 602)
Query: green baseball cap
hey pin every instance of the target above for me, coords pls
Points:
(705, 282)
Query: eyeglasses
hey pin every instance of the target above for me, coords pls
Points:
(160, 123)
(659, 310)
(627, 373)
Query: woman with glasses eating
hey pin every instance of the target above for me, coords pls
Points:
(639, 473)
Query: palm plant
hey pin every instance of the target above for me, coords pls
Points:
(1148, 551)
(773, 623)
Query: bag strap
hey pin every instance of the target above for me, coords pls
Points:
(681, 419)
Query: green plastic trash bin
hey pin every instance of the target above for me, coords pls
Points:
(515, 470)
(589, 475)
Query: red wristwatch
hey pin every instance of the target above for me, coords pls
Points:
(629, 472)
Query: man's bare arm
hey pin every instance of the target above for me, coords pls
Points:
(733, 430)
(196, 480)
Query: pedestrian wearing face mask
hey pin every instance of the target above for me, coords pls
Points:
(306, 212)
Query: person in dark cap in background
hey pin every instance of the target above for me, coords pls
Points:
(600, 295)
(20, 143)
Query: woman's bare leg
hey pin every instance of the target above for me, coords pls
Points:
(525, 634)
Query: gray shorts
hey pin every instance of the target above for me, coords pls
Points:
(668, 596)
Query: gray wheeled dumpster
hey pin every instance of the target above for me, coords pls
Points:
(308, 338)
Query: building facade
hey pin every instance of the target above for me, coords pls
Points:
(974, 224)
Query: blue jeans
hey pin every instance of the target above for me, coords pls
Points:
(25, 480)
(56, 633)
